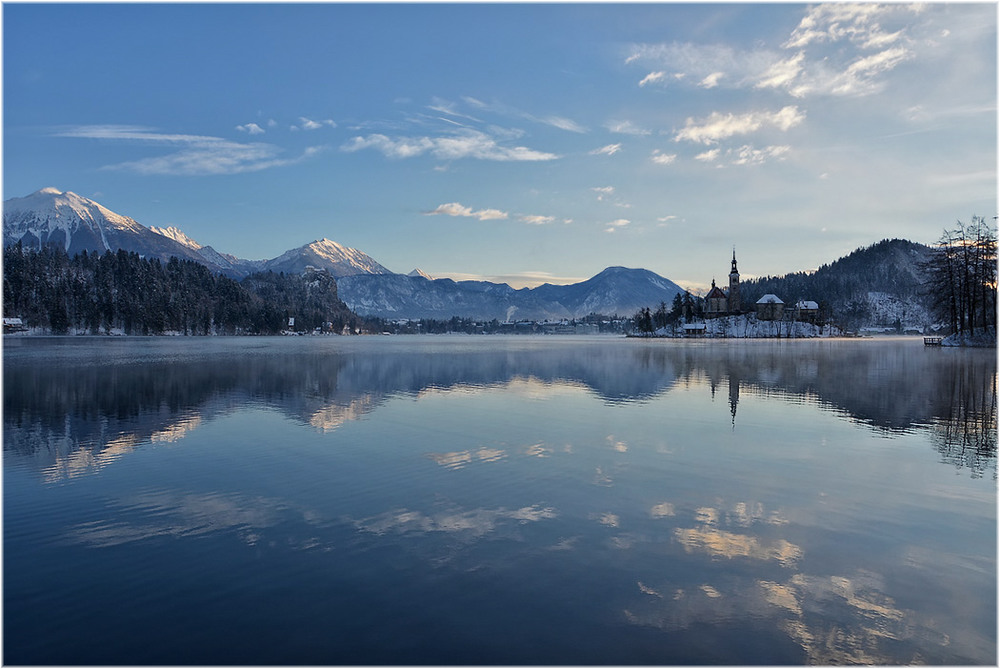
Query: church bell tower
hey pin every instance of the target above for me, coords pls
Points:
(734, 288)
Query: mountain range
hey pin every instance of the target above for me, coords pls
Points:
(880, 285)
(75, 223)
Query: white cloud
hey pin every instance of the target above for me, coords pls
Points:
(835, 21)
(456, 209)
(661, 158)
(199, 155)
(309, 124)
(833, 43)
(603, 191)
(563, 123)
(626, 128)
(708, 156)
(251, 128)
(748, 155)
(719, 126)
(712, 80)
(609, 150)
(783, 73)
(537, 220)
(560, 122)
(652, 78)
(617, 224)
(466, 144)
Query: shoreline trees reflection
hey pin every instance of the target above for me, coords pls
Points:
(67, 395)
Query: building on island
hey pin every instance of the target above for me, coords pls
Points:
(719, 302)
(770, 308)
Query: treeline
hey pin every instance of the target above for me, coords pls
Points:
(121, 291)
(684, 307)
(962, 277)
(890, 266)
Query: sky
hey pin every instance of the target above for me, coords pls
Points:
(522, 143)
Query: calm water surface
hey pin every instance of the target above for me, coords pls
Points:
(494, 500)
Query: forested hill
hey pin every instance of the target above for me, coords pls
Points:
(875, 285)
(102, 293)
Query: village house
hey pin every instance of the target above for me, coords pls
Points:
(770, 308)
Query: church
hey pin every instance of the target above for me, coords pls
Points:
(719, 302)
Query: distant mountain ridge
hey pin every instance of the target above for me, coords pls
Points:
(616, 290)
(880, 285)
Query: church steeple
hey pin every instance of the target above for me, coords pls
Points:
(734, 287)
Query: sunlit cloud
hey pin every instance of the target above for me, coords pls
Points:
(456, 209)
(536, 220)
(617, 224)
(783, 73)
(661, 158)
(708, 156)
(652, 78)
(719, 126)
(712, 80)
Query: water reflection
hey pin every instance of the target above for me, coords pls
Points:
(74, 416)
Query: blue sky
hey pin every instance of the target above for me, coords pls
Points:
(514, 142)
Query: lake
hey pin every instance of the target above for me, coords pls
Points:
(498, 500)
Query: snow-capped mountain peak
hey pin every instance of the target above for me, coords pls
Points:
(177, 235)
(326, 254)
(420, 272)
(50, 209)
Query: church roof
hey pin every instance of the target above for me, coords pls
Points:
(716, 292)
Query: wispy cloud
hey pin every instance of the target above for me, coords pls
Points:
(609, 150)
(465, 144)
(652, 78)
(719, 126)
(617, 224)
(199, 155)
(661, 158)
(712, 80)
(251, 128)
(560, 122)
(744, 155)
(309, 124)
(626, 128)
(532, 219)
(603, 191)
(840, 49)
(457, 209)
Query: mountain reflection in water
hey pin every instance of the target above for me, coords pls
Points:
(96, 403)
(498, 500)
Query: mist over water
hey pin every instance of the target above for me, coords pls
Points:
(501, 500)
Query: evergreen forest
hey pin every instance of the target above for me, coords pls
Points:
(121, 291)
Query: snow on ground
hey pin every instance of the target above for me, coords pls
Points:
(748, 326)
